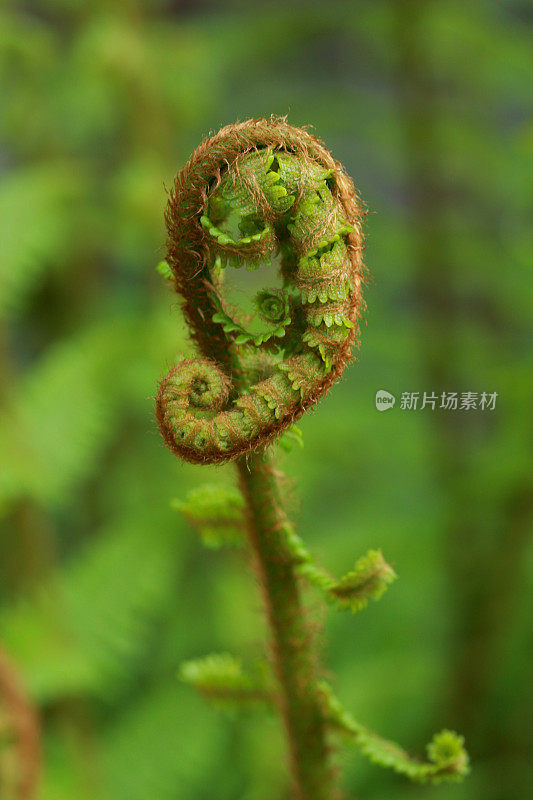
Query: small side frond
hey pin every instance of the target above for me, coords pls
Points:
(216, 513)
(447, 757)
(368, 580)
(220, 678)
(164, 270)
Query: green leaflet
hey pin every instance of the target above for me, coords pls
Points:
(242, 336)
(164, 270)
(223, 238)
(216, 513)
(368, 580)
(448, 760)
(220, 678)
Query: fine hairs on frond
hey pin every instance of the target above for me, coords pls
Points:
(280, 181)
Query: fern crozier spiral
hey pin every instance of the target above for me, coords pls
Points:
(253, 193)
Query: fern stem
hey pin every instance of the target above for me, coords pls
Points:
(292, 655)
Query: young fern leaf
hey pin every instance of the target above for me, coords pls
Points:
(368, 580)
(447, 758)
(289, 198)
(220, 678)
(253, 193)
(164, 270)
(216, 513)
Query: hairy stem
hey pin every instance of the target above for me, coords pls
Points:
(294, 200)
(291, 647)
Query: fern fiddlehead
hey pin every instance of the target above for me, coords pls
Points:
(255, 191)
(254, 194)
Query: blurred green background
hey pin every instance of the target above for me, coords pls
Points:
(104, 590)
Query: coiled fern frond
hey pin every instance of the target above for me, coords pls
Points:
(254, 193)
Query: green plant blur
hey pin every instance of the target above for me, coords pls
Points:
(104, 589)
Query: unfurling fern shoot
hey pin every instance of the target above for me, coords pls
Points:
(259, 193)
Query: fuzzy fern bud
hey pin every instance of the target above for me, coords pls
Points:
(220, 678)
(368, 580)
(446, 751)
(254, 192)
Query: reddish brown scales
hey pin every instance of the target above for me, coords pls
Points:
(188, 257)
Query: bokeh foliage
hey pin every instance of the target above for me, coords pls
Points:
(104, 590)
